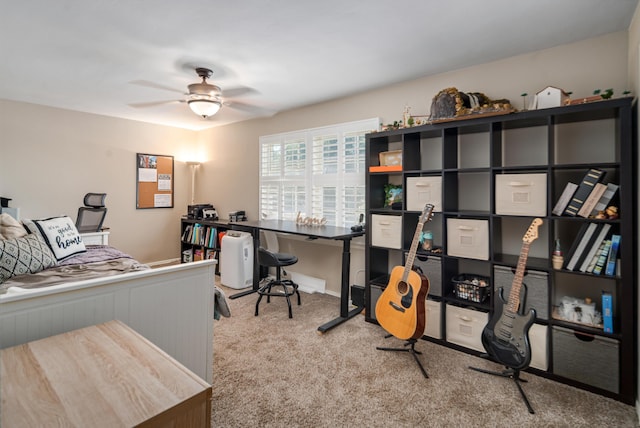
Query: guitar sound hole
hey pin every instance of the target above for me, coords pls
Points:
(402, 287)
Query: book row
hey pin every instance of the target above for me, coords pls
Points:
(589, 199)
(198, 234)
(594, 250)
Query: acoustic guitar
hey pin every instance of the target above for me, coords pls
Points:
(506, 336)
(400, 309)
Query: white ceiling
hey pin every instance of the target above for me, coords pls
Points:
(102, 56)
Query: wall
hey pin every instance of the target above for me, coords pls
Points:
(230, 178)
(634, 78)
(51, 157)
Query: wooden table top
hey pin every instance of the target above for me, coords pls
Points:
(104, 375)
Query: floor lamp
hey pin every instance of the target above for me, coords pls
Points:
(194, 166)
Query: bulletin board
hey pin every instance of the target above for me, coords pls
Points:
(154, 181)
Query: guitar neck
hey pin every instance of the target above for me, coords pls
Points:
(412, 252)
(514, 295)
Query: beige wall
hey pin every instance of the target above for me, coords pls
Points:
(230, 178)
(51, 157)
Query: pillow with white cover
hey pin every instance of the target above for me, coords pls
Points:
(28, 254)
(61, 235)
(10, 227)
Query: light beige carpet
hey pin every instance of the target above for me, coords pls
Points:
(272, 371)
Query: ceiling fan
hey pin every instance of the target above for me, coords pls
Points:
(204, 99)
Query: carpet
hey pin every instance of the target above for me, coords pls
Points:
(272, 371)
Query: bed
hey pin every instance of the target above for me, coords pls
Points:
(171, 306)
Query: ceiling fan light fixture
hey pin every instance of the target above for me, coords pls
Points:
(204, 107)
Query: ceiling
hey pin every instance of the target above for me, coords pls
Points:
(106, 57)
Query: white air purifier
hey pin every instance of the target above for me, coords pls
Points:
(236, 260)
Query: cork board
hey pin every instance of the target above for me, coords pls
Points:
(154, 181)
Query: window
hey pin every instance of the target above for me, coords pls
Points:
(318, 172)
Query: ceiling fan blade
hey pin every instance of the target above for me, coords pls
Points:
(154, 103)
(238, 91)
(155, 86)
(248, 108)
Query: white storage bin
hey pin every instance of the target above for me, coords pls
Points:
(424, 190)
(432, 316)
(468, 238)
(538, 341)
(521, 194)
(386, 231)
(464, 327)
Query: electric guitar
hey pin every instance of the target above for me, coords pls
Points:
(400, 309)
(506, 336)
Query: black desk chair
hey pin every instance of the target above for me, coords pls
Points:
(289, 288)
(91, 215)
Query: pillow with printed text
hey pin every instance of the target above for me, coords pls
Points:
(61, 236)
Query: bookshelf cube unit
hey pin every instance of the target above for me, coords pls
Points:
(521, 194)
(468, 238)
(539, 337)
(496, 174)
(433, 315)
(431, 267)
(464, 327)
(423, 190)
(537, 287)
(589, 359)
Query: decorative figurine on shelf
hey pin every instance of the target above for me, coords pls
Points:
(406, 115)
(556, 258)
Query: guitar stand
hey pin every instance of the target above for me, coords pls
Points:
(513, 374)
(410, 346)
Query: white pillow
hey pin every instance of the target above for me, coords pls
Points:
(61, 236)
(10, 227)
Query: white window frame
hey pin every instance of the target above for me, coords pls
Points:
(289, 184)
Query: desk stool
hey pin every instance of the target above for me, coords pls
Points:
(289, 288)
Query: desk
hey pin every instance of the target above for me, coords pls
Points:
(343, 234)
(106, 375)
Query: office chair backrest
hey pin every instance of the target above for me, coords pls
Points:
(272, 241)
(91, 216)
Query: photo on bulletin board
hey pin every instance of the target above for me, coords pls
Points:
(154, 181)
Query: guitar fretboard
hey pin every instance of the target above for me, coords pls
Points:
(514, 295)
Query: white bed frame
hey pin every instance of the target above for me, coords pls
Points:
(171, 306)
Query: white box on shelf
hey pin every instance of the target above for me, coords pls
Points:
(432, 316)
(521, 194)
(464, 327)
(423, 190)
(468, 238)
(386, 231)
(538, 342)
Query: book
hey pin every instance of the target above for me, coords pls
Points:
(589, 180)
(607, 312)
(602, 260)
(564, 199)
(610, 268)
(586, 232)
(605, 199)
(592, 200)
(591, 251)
(594, 258)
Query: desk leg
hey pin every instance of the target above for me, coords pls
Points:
(345, 314)
(256, 267)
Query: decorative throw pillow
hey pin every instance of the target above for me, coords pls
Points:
(31, 227)
(61, 235)
(10, 227)
(29, 254)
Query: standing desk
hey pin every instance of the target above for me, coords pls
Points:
(343, 234)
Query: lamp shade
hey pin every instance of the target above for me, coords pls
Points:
(204, 107)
